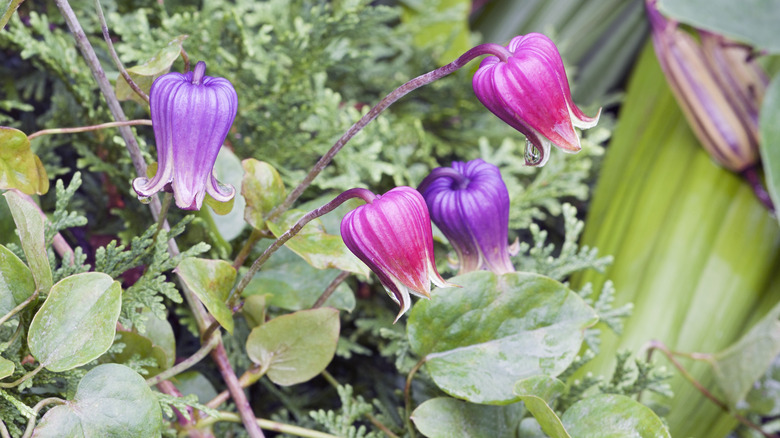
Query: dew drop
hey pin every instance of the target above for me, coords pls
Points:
(145, 199)
(532, 155)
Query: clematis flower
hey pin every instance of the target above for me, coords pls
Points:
(191, 116)
(526, 87)
(469, 203)
(392, 235)
(718, 87)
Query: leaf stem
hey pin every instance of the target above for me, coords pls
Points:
(10, 8)
(89, 128)
(274, 426)
(114, 56)
(343, 275)
(186, 58)
(186, 364)
(287, 235)
(37, 408)
(670, 355)
(22, 379)
(381, 426)
(408, 396)
(419, 81)
(19, 308)
(4, 430)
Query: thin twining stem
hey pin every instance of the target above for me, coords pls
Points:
(89, 128)
(308, 217)
(274, 426)
(23, 378)
(186, 364)
(331, 288)
(670, 355)
(419, 81)
(115, 57)
(408, 396)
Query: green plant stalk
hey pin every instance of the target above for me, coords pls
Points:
(693, 248)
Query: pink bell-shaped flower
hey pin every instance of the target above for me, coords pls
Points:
(528, 89)
(191, 116)
(392, 235)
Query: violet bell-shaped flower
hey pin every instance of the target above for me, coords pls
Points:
(191, 116)
(525, 85)
(392, 235)
(469, 202)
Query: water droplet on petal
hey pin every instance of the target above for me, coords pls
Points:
(145, 199)
(532, 155)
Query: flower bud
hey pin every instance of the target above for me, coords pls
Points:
(191, 116)
(718, 88)
(469, 203)
(392, 235)
(528, 89)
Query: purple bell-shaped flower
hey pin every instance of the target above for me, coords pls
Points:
(528, 89)
(469, 203)
(392, 235)
(191, 116)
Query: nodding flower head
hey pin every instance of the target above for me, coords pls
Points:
(469, 203)
(527, 88)
(191, 116)
(392, 235)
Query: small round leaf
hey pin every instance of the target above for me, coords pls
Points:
(612, 416)
(295, 347)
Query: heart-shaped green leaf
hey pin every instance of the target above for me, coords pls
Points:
(316, 246)
(20, 168)
(294, 348)
(263, 189)
(160, 332)
(111, 401)
(292, 284)
(145, 74)
(30, 225)
(538, 393)
(495, 330)
(210, 281)
(445, 417)
(612, 416)
(16, 281)
(77, 322)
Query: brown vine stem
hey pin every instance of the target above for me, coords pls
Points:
(88, 128)
(408, 396)
(115, 57)
(403, 90)
(670, 355)
(186, 58)
(198, 310)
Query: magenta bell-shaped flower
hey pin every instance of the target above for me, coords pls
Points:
(191, 116)
(527, 88)
(469, 203)
(392, 235)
